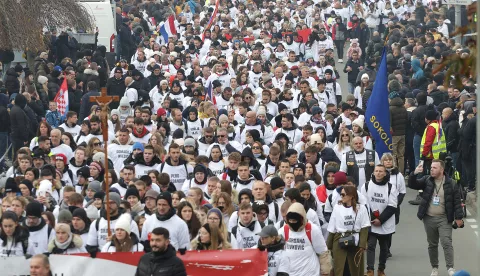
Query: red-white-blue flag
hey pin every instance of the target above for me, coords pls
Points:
(62, 98)
(209, 94)
(212, 18)
(168, 28)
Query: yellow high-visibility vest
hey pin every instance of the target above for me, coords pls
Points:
(437, 146)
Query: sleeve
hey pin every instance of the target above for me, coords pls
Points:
(234, 242)
(343, 166)
(364, 216)
(183, 237)
(332, 224)
(283, 263)
(145, 228)
(312, 217)
(92, 239)
(318, 242)
(457, 201)
(401, 184)
(430, 137)
(185, 186)
(232, 221)
(416, 182)
(105, 247)
(134, 227)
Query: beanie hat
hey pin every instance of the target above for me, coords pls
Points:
(92, 212)
(82, 214)
(114, 197)
(64, 216)
(216, 211)
(115, 112)
(137, 145)
(96, 165)
(18, 68)
(124, 222)
(132, 192)
(346, 106)
(61, 156)
(99, 194)
(222, 118)
(276, 183)
(63, 227)
(42, 79)
(34, 209)
(189, 142)
(166, 196)
(329, 71)
(118, 70)
(261, 111)
(299, 166)
(365, 76)
(393, 95)
(161, 112)
(27, 183)
(340, 178)
(95, 186)
(99, 157)
(281, 107)
(11, 186)
(359, 122)
(84, 172)
(151, 193)
(431, 115)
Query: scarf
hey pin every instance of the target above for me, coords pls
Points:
(319, 121)
(142, 134)
(167, 216)
(65, 244)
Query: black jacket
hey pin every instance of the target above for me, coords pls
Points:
(115, 88)
(352, 75)
(4, 120)
(438, 97)
(450, 127)
(74, 97)
(468, 139)
(19, 120)
(53, 87)
(161, 264)
(398, 117)
(453, 201)
(418, 119)
(11, 81)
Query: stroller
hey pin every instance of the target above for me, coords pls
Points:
(452, 172)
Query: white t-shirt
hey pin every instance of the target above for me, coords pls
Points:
(378, 199)
(344, 219)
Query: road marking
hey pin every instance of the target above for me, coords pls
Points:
(471, 220)
(474, 226)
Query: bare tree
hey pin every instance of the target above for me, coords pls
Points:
(22, 21)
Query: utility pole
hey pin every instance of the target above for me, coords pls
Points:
(458, 21)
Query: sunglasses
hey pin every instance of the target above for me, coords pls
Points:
(97, 144)
(247, 98)
(345, 135)
(208, 136)
(221, 136)
(256, 148)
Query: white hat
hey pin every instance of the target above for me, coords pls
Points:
(359, 121)
(174, 54)
(124, 222)
(45, 187)
(262, 111)
(315, 138)
(365, 76)
(92, 212)
(42, 79)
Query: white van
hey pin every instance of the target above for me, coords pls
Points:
(103, 12)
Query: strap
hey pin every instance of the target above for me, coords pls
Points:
(234, 231)
(276, 210)
(162, 166)
(286, 231)
(308, 230)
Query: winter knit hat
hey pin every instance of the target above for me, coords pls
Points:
(42, 79)
(63, 227)
(11, 186)
(124, 222)
(27, 183)
(81, 214)
(365, 76)
(340, 178)
(151, 193)
(261, 111)
(161, 112)
(92, 212)
(45, 187)
(166, 196)
(61, 156)
(359, 122)
(99, 194)
(34, 209)
(189, 142)
(276, 183)
(222, 118)
(84, 172)
(113, 197)
(99, 157)
(137, 145)
(115, 112)
(64, 216)
(431, 115)
(132, 192)
(95, 186)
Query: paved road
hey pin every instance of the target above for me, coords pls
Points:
(409, 246)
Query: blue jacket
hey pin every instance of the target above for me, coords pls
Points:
(416, 68)
(86, 105)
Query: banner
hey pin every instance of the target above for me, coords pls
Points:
(212, 263)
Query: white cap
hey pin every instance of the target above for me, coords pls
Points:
(124, 222)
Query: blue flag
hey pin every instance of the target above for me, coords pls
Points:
(377, 115)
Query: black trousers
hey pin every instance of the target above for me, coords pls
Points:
(339, 44)
(383, 241)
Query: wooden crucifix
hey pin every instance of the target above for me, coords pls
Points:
(103, 101)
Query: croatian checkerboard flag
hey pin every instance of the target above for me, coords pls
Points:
(168, 28)
(62, 98)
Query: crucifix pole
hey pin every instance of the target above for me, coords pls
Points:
(103, 101)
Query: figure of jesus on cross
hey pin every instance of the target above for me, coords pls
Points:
(103, 101)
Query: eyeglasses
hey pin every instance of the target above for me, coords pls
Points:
(221, 136)
(247, 98)
(262, 213)
(345, 135)
(213, 219)
(97, 144)
(256, 148)
(343, 194)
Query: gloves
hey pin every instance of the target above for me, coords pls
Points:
(182, 251)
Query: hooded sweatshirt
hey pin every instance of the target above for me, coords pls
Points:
(299, 248)
(124, 113)
(245, 236)
(191, 183)
(194, 127)
(178, 229)
(416, 68)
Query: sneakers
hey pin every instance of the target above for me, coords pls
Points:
(416, 201)
(381, 273)
(370, 273)
(451, 271)
(340, 61)
(434, 272)
(389, 255)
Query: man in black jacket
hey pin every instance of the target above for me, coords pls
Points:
(20, 123)
(116, 86)
(451, 126)
(352, 68)
(441, 206)
(162, 260)
(85, 104)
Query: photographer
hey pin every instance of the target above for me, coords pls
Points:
(440, 207)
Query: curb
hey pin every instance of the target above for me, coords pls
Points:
(471, 202)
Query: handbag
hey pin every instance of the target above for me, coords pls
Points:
(348, 239)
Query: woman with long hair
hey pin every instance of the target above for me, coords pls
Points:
(311, 173)
(177, 196)
(68, 140)
(65, 242)
(185, 211)
(359, 92)
(210, 238)
(196, 196)
(258, 153)
(348, 219)
(344, 143)
(124, 239)
(93, 146)
(14, 237)
(43, 130)
(96, 171)
(224, 203)
(214, 216)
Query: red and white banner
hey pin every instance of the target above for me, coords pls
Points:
(212, 263)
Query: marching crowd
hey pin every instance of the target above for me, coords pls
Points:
(235, 133)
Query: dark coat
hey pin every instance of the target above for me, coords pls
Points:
(40, 68)
(32, 117)
(398, 117)
(116, 88)
(88, 76)
(450, 127)
(4, 119)
(19, 120)
(74, 98)
(468, 142)
(418, 119)
(53, 87)
(86, 105)
(453, 201)
(11, 81)
(438, 97)
(352, 75)
(163, 264)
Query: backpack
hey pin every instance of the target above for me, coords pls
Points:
(308, 231)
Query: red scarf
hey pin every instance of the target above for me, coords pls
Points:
(140, 135)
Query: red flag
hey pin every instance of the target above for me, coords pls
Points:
(304, 34)
(62, 97)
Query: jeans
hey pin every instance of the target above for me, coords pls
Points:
(439, 228)
(398, 143)
(351, 88)
(454, 158)
(383, 241)
(417, 140)
(339, 44)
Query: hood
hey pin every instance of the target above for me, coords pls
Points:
(247, 152)
(415, 64)
(77, 242)
(276, 246)
(192, 109)
(4, 100)
(130, 141)
(11, 72)
(245, 192)
(452, 117)
(300, 210)
(124, 102)
(89, 71)
(329, 169)
(396, 102)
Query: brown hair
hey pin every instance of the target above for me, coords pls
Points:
(352, 191)
(122, 246)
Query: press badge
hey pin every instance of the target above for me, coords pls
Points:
(436, 200)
